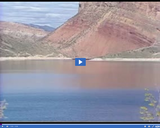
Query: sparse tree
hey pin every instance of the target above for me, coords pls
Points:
(151, 112)
(3, 105)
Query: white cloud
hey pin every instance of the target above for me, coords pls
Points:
(31, 8)
(19, 7)
(68, 5)
(53, 15)
(36, 8)
(44, 25)
(17, 2)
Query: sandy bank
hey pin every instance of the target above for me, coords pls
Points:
(95, 59)
(126, 59)
(32, 58)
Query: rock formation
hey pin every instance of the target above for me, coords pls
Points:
(102, 28)
(99, 29)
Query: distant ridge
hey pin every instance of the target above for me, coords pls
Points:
(44, 27)
(19, 40)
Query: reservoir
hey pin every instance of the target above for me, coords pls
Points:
(57, 90)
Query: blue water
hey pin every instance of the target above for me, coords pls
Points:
(60, 91)
(99, 105)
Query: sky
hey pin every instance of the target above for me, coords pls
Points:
(41, 13)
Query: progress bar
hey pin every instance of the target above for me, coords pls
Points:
(80, 126)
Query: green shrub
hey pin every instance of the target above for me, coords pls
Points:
(151, 112)
(3, 106)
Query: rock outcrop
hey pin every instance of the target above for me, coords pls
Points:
(102, 28)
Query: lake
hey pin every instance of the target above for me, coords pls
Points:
(57, 90)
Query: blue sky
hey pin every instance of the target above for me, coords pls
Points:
(42, 13)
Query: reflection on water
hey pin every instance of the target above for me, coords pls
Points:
(60, 91)
(64, 74)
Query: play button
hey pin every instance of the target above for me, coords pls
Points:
(80, 61)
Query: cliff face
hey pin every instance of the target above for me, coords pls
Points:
(102, 28)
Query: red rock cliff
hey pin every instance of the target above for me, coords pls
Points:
(102, 28)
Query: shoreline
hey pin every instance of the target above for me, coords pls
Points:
(127, 59)
(60, 58)
(32, 58)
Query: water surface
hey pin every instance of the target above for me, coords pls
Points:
(59, 91)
